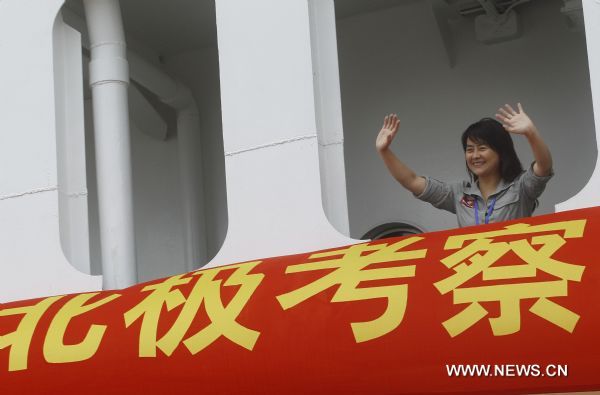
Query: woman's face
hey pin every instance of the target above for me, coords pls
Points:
(481, 159)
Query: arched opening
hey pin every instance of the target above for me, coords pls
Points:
(178, 176)
(440, 67)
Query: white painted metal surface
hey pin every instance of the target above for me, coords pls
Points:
(70, 146)
(328, 112)
(32, 263)
(270, 132)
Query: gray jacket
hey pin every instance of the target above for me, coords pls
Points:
(512, 200)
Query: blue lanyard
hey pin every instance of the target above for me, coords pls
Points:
(488, 213)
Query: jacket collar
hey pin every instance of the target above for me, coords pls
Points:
(472, 188)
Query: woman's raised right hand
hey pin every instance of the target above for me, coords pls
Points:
(388, 131)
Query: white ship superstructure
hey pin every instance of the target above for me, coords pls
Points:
(143, 138)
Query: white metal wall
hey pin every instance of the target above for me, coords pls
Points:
(32, 262)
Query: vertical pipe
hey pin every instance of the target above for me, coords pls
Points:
(188, 127)
(180, 98)
(109, 79)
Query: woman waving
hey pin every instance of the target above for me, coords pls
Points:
(498, 188)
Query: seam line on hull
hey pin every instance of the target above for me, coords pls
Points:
(331, 143)
(276, 143)
(74, 194)
(32, 192)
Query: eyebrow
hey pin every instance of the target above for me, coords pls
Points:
(477, 144)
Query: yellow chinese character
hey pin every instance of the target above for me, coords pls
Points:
(20, 339)
(207, 289)
(350, 266)
(55, 351)
(483, 251)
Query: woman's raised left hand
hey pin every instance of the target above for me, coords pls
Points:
(515, 121)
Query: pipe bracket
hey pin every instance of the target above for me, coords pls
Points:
(105, 70)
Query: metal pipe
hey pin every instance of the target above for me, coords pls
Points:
(179, 97)
(188, 127)
(152, 78)
(490, 8)
(109, 80)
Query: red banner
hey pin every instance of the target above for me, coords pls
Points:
(509, 308)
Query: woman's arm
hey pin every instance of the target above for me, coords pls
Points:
(402, 173)
(519, 123)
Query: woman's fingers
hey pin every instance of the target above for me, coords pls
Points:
(502, 118)
(520, 107)
(511, 110)
(394, 122)
(504, 113)
(391, 122)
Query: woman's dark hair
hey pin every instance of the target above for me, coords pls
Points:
(491, 132)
